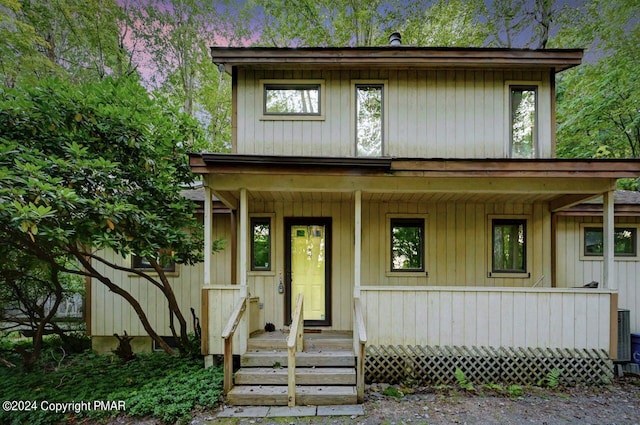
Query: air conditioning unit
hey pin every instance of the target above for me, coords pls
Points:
(624, 336)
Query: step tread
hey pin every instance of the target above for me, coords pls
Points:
(341, 358)
(304, 376)
(258, 395)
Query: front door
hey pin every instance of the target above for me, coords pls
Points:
(308, 267)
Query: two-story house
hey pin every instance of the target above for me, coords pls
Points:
(398, 213)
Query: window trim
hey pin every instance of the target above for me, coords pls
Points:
(616, 257)
(526, 274)
(524, 84)
(170, 270)
(272, 245)
(265, 116)
(388, 251)
(385, 115)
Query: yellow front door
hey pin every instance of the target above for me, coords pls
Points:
(308, 268)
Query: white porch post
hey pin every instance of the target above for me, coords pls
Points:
(608, 229)
(357, 255)
(244, 233)
(208, 232)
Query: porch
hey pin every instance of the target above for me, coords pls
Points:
(454, 311)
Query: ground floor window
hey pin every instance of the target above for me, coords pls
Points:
(260, 243)
(407, 245)
(142, 263)
(624, 242)
(509, 242)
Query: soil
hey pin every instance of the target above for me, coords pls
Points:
(618, 403)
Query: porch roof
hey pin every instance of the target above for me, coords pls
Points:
(562, 182)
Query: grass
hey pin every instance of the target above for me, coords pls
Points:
(157, 385)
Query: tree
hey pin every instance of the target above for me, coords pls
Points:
(98, 166)
(331, 23)
(448, 23)
(598, 112)
(75, 39)
(176, 37)
(30, 293)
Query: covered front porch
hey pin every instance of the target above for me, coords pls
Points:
(456, 305)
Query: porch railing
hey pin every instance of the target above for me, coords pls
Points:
(295, 342)
(227, 335)
(360, 343)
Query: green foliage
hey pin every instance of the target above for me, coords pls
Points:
(552, 379)
(515, 391)
(158, 385)
(463, 381)
(392, 391)
(494, 387)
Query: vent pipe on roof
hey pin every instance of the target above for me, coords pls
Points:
(395, 39)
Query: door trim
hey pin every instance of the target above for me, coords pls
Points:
(295, 221)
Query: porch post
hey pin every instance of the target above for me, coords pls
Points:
(608, 230)
(244, 233)
(357, 255)
(208, 232)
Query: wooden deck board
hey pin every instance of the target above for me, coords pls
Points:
(304, 376)
(340, 358)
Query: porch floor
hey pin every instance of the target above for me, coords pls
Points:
(314, 340)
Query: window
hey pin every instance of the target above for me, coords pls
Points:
(624, 241)
(293, 99)
(509, 242)
(407, 245)
(369, 105)
(141, 263)
(260, 243)
(523, 121)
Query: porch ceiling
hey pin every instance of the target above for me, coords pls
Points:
(297, 196)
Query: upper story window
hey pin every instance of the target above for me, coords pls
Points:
(292, 99)
(624, 242)
(369, 110)
(523, 109)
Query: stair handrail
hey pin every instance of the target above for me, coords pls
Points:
(295, 342)
(227, 335)
(361, 339)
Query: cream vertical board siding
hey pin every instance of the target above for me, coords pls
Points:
(430, 114)
(576, 271)
(457, 238)
(264, 285)
(222, 301)
(494, 317)
(111, 313)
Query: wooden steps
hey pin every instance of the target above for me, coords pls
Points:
(325, 372)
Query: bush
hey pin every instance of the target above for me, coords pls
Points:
(156, 384)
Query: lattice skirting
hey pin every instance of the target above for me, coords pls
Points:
(525, 366)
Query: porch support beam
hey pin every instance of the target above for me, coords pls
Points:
(208, 232)
(608, 229)
(357, 255)
(244, 234)
(568, 201)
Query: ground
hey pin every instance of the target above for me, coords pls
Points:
(618, 403)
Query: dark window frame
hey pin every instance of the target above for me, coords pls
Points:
(137, 263)
(291, 86)
(509, 221)
(634, 239)
(261, 221)
(535, 89)
(407, 222)
(383, 112)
